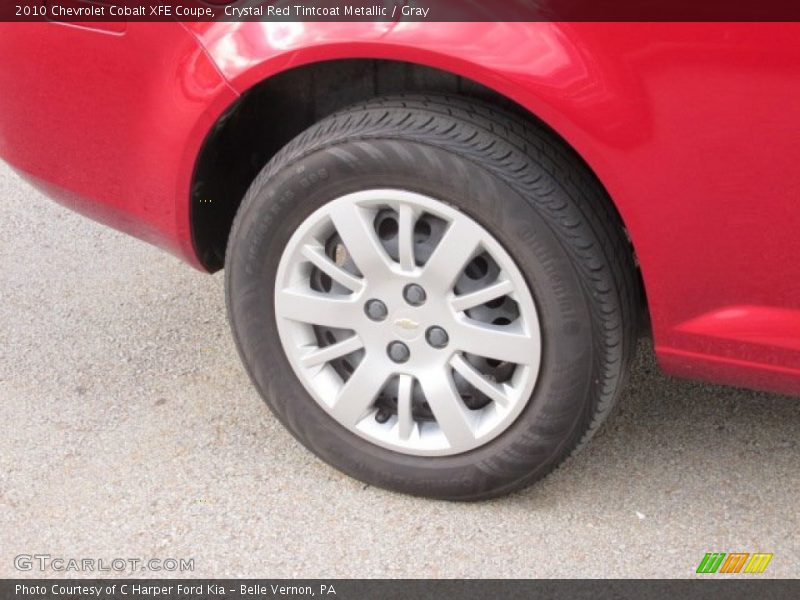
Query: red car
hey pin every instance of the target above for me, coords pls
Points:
(442, 240)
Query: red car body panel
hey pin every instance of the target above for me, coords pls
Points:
(108, 124)
(692, 128)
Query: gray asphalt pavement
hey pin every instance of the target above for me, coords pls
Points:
(129, 429)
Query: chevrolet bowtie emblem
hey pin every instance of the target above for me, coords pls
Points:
(406, 324)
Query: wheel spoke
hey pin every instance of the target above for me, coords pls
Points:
(405, 235)
(405, 415)
(458, 245)
(316, 309)
(479, 381)
(451, 413)
(359, 391)
(504, 343)
(326, 354)
(482, 296)
(358, 236)
(317, 256)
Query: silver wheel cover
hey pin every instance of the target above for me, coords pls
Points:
(371, 245)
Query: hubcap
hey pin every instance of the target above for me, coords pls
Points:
(407, 322)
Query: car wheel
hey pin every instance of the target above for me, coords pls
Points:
(433, 296)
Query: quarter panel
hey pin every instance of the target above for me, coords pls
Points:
(691, 127)
(110, 124)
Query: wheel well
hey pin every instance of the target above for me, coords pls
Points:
(273, 112)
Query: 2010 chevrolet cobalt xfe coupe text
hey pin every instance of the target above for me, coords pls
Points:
(442, 240)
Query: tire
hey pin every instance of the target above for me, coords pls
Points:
(515, 180)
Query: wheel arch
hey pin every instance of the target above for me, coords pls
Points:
(580, 95)
(276, 109)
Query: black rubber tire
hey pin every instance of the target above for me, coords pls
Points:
(526, 187)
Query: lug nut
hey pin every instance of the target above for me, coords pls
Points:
(398, 352)
(382, 415)
(437, 337)
(376, 310)
(414, 294)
